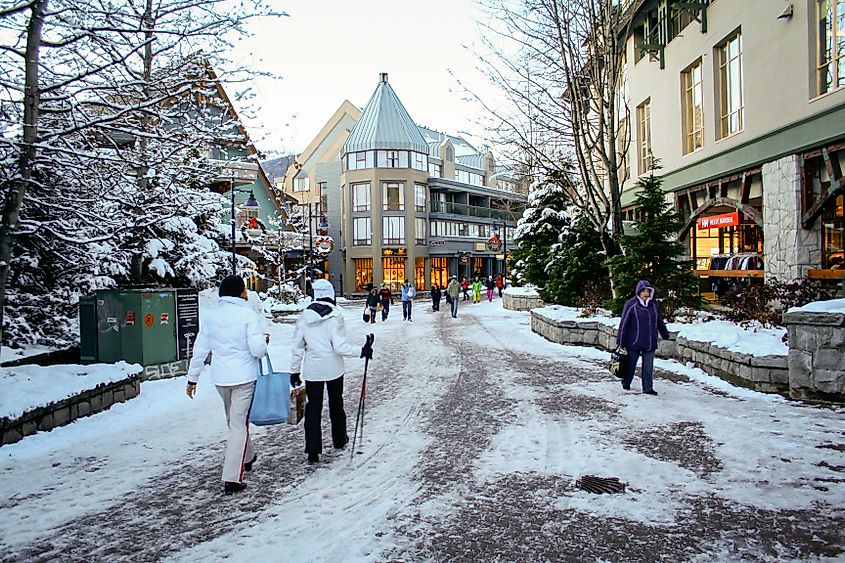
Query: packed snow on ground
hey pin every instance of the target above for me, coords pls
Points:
(25, 387)
(522, 291)
(831, 306)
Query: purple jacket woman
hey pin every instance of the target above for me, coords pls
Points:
(638, 328)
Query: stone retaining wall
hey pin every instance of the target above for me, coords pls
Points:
(816, 355)
(517, 302)
(90, 401)
(763, 373)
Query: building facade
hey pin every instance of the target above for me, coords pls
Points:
(400, 201)
(743, 103)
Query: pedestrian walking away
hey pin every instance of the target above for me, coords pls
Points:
(500, 284)
(373, 303)
(452, 291)
(319, 346)
(435, 297)
(465, 288)
(476, 290)
(638, 328)
(490, 285)
(386, 301)
(233, 334)
(408, 294)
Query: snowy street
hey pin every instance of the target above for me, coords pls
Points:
(476, 430)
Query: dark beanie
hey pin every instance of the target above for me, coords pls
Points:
(231, 286)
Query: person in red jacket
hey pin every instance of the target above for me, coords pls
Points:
(500, 283)
(386, 301)
(465, 288)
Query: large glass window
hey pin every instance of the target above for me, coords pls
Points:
(833, 234)
(419, 161)
(363, 274)
(646, 162)
(693, 108)
(419, 231)
(830, 40)
(362, 231)
(467, 177)
(302, 184)
(419, 197)
(730, 85)
(393, 230)
(394, 272)
(435, 170)
(440, 271)
(360, 197)
(394, 196)
(419, 273)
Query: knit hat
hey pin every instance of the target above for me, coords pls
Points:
(231, 286)
(323, 289)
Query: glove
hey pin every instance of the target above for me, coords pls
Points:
(295, 381)
(367, 350)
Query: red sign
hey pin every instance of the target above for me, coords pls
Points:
(130, 318)
(165, 318)
(718, 221)
(494, 244)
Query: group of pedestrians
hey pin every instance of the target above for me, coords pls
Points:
(476, 285)
(380, 300)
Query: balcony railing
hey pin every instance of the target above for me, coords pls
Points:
(470, 210)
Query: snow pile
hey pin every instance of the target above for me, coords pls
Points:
(27, 387)
(732, 337)
(524, 291)
(561, 313)
(10, 354)
(832, 306)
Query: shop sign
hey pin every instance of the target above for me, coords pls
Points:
(463, 257)
(480, 247)
(494, 244)
(437, 242)
(718, 221)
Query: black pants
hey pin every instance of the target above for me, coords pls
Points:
(385, 310)
(435, 304)
(406, 309)
(314, 411)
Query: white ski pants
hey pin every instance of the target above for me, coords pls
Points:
(237, 400)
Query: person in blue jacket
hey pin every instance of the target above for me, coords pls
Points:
(641, 321)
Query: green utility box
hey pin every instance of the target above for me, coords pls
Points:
(152, 327)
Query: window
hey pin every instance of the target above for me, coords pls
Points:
(471, 178)
(830, 41)
(359, 160)
(394, 196)
(419, 197)
(362, 231)
(419, 161)
(693, 108)
(435, 170)
(393, 159)
(680, 18)
(440, 271)
(302, 184)
(833, 234)
(419, 273)
(394, 272)
(450, 153)
(419, 231)
(393, 230)
(360, 197)
(324, 197)
(363, 274)
(730, 85)
(646, 162)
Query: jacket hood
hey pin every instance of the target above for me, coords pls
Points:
(233, 301)
(319, 312)
(643, 284)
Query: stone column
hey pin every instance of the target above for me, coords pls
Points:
(790, 250)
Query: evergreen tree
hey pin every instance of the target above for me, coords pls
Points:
(654, 253)
(578, 274)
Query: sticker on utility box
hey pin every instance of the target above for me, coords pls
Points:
(148, 320)
(130, 318)
(165, 318)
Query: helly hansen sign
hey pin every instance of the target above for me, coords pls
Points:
(719, 221)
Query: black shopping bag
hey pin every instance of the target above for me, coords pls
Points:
(619, 363)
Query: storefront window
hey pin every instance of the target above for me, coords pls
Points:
(394, 272)
(708, 244)
(440, 271)
(833, 234)
(419, 273)
(478, 267)
(363, 273)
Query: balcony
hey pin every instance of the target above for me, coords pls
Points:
(471, 210)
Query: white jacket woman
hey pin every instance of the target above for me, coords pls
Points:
(234, 335)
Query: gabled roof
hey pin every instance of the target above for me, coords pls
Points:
(462, 147)
(385, 124)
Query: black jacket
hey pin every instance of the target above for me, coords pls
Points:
(490, 284)
(373, 301)
(386, 295)
(435, 294)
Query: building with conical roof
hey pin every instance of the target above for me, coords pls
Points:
(404, 201)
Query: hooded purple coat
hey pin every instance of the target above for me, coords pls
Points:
(640, 323)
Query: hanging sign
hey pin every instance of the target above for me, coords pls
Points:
(718, 221)
(324, 245)
(494, 244)
(463, 257)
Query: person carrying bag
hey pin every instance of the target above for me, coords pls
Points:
(271, 401)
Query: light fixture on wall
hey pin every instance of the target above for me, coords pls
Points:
(787, 13)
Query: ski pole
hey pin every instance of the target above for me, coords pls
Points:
(360, 415)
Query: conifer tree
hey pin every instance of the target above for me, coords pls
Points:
(653, 253)
(578, 274)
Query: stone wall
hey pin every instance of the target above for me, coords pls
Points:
(521, 302)
(90, 401)
(790, 250)
(762, 373)
(816, 355)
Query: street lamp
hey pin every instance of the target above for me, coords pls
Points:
(504, 248)
(251, 203)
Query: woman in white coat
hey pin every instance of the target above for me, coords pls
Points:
(319, 346)
(234, 334)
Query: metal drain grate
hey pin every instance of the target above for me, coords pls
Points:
(600, 485)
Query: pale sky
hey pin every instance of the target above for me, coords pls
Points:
(331, 50)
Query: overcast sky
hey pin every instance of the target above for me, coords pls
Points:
(328, 51)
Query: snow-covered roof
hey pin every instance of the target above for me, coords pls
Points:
(462, 147)
(385, 124)
(472, 160)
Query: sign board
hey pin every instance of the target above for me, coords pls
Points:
(437, 242)
(480, 246)
(463, 258)
(494, 244)
(718, 221)
(187, 321)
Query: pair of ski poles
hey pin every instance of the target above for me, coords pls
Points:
(359, 418)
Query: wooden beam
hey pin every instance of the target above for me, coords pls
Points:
(744, 189)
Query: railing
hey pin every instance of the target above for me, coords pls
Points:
(471, 210)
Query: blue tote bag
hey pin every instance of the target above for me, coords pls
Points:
(271, 401)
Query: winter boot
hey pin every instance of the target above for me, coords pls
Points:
(248, 465)
(313, 458)
(230, 487)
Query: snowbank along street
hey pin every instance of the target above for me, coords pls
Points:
(475, 432)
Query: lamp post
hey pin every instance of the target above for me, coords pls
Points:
(504, 248)
(251, 203)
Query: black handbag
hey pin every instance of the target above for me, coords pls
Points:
(366, 314)
(619, 363)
